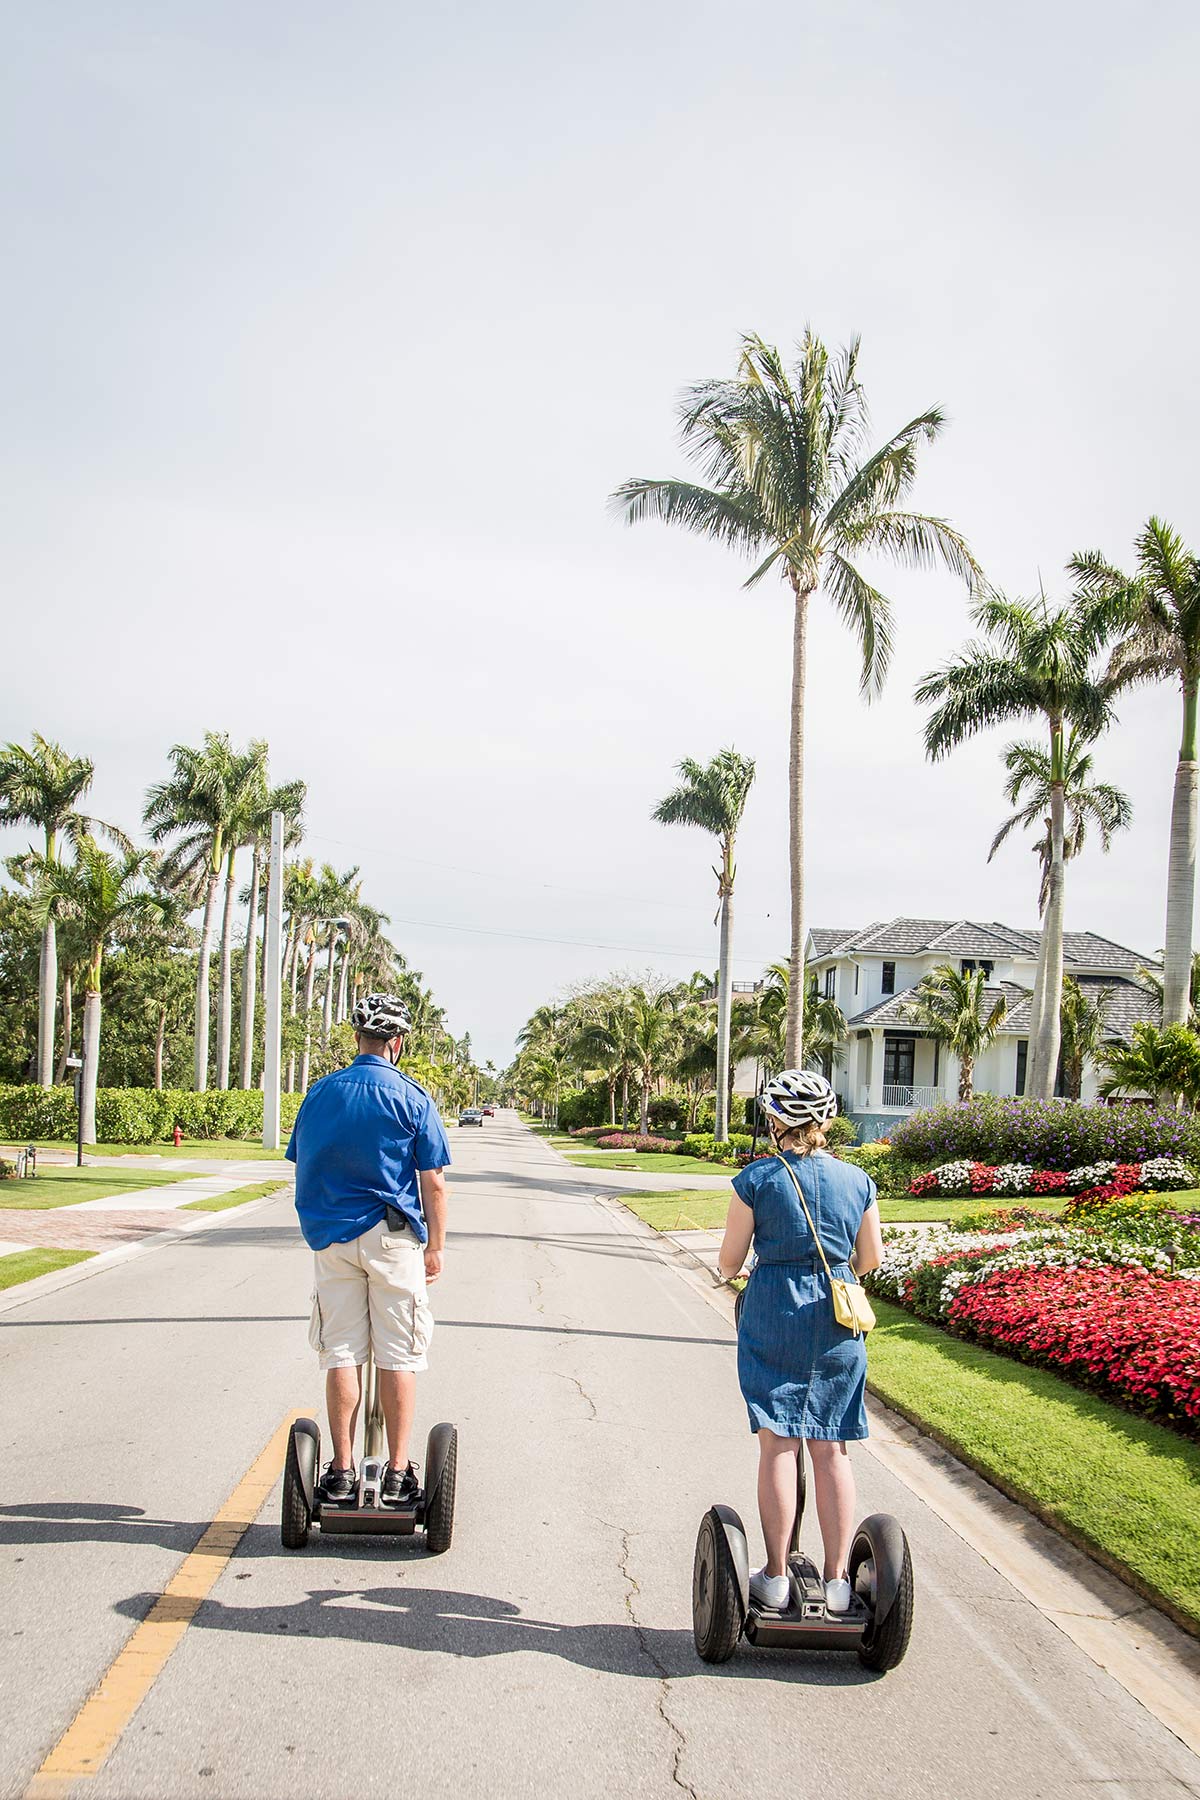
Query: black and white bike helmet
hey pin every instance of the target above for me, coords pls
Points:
(799, 1097)
(381, 1016)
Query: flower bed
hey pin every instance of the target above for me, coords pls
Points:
(1046, 1134)
(634, 1140)
(1130, 1333)
(1100, 1180)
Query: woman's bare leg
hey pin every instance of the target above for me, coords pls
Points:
(833, 1481)
(777, 1495)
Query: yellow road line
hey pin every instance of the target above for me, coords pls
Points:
(96, 1728)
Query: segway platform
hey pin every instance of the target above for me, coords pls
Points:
(366, 1511)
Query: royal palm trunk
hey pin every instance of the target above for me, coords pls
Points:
(327, 1008)
(309, 978)
(795, 1015)
(91, 1062)
(724, 983)
(203, 963)
(1049, 1025)
(250, 977)
(225, 995)
(159, 1039)
(68, 1027)
(1181, 876)
(47, 1004)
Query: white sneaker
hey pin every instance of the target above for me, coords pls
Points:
(772, 1591)
(837, 1595)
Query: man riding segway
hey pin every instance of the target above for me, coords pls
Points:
(370, 1154)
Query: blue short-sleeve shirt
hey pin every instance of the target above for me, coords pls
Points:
(361, 1138)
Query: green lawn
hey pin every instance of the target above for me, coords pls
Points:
(24, 1265)
(648, 1162)
(704, 1209)
(1124, 1488)
(238, 1197)
(213, 1149)
(67, 1187)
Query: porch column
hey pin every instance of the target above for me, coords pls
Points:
(875, 1097)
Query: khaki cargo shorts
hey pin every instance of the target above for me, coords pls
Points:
(372, 1291)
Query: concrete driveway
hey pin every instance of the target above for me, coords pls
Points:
(549, 1652)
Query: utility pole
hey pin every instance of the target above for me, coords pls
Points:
(273, 987)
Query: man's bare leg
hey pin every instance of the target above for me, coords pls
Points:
(398, 1398)
(343, 1396)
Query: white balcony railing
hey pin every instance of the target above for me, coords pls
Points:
(903, 1097)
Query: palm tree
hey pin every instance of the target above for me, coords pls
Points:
(1162, 1061)
(785, 454)
(1083, 1033)
(1149, 979)
(1029, 788)
(41, 787)
(1163, 602)
(196, 807)
(827, 1034)
(950, 1006)
(106, 896)
(288, 800)
(714, 798)
(247, 789)
(602, 1042)
(1034, 660)
(652, 1031)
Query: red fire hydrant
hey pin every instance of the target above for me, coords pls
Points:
(178, 1136)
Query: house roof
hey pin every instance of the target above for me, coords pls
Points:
(970, 937)
(1128, 1002)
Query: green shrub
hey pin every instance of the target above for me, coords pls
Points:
(138, 1115)
(668, 1115)
(702, 1144)
(583, 1106)
(840, 1131)
(1048, 1134)
(890, 1173)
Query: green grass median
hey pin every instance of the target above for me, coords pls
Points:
(239, 1197)
(1123, 1488)
(205, 1149)
(67, 1187)
(26, 1265)
(704, 1209)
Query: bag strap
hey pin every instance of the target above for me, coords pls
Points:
(804, 1203)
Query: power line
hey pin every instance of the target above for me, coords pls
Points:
(528, 937)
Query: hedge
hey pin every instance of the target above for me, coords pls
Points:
(1050, 1134)
(137, 1115)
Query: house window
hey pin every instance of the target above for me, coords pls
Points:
(856, 978)
(814, 987)
(830, 983)
(968, 965)
(899, 1055)
(1022, 1063)
(889, 978)
(937, 1060)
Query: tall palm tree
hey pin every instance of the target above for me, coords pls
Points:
(196, 807)
(107, 897)
(785, 453)
(1162, 601)
(1034, 660)
(713, 796)
(247, 788)
(1029, 788)
(42, 787)
(952, 1007)
(287, 799)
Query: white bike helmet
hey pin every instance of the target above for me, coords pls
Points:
(381, 1016)
(799, 1097)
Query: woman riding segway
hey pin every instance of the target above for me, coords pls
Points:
(802, 1357)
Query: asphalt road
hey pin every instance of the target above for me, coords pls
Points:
(549, 1652)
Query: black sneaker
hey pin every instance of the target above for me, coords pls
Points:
(337, 1484)
(400, 1487)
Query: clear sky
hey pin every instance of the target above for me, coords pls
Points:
(328, 330)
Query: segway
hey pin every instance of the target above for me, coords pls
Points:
(366, 1511)
(877, 1625)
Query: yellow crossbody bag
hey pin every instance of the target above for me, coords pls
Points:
(851, 1307)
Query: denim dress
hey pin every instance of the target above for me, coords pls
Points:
(802, 1375)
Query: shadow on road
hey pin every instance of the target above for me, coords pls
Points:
(444, 1622)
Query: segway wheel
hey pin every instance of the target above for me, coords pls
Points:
(439, 1511)
(885, 1639)
(296, 1522)
(716, 1600)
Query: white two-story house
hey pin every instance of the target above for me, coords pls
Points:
(889, 1067)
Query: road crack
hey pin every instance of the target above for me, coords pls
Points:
(646, 1647)
(593, 1414)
